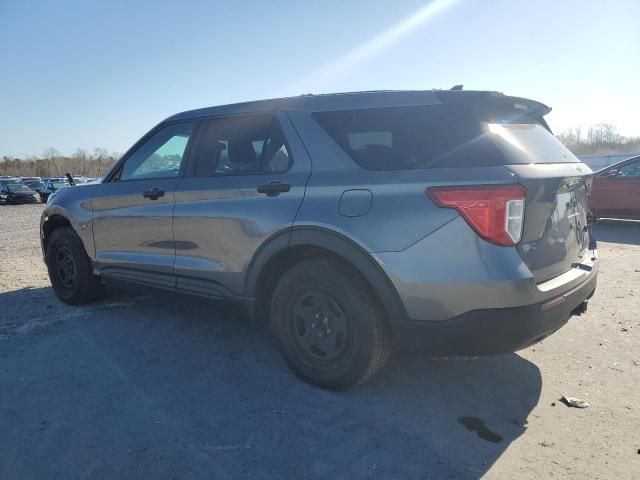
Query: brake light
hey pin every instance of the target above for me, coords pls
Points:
(495, 212)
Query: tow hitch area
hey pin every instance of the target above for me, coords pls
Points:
(580, 309)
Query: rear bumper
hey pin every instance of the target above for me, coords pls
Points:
(497, 330)
(453, 272)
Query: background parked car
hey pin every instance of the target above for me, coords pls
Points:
(5, 180)
(35, 185)
(616, 190)
(17, 193)
(51, 186)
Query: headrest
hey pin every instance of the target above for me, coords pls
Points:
(241, 151)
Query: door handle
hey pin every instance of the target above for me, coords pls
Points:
(153, 194)
(273, 188)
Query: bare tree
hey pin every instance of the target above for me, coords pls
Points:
(601, 137)
(79, 162)
(50, 155)
(100, 156)
(53, 163)
(604, 134)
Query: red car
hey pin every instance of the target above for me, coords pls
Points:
(616, 190)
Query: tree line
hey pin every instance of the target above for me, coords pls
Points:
(602, 138)
(54, 164)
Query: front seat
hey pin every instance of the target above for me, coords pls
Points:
(242, 157)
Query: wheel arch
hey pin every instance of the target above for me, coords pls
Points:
(286, 249)
(57, 218)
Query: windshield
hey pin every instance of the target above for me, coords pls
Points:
(59, 185)
(19, 188)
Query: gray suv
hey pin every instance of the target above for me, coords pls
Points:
(344, 220)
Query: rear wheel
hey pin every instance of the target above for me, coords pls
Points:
(329, 325)
(70, 269)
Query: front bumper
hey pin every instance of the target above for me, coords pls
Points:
(21, 200)
(497, 330)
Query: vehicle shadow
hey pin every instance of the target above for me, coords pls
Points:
(618, 231)
(148, 385)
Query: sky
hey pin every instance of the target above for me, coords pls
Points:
(78, 74)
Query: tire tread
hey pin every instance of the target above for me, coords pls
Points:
(90, 286)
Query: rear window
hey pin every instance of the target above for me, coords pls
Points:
(528, 143)
(439, 136)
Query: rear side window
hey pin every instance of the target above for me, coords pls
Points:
(440, 136)
(407, 137)
(243, 145)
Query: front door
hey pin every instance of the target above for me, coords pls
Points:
(245, 183)
(132, 210)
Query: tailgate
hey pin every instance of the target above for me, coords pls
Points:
(555, 236)
(556, 233)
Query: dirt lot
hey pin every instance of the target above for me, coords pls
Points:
(154, 385)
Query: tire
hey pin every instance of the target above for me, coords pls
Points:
(70, 269)
(329, 325)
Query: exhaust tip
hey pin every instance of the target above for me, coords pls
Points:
(580, 309)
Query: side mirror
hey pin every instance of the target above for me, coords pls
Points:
(612, 173)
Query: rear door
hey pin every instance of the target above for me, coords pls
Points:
(245, 183)
(132, 224)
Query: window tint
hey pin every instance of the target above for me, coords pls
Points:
(361, 140)
(631, 169)
(441, 136)
(245, 145)
(275, 158)
(406, 137)
(528, 143)
(161, 156)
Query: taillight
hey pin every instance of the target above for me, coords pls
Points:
(495, 212)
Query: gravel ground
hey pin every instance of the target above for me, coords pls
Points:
(153, 385)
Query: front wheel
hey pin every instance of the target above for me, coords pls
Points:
(70, 269)
(330, 327)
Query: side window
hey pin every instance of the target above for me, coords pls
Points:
(161, 156)
(630, 169)
(244, 145)
(275, 156)
(360, 141)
